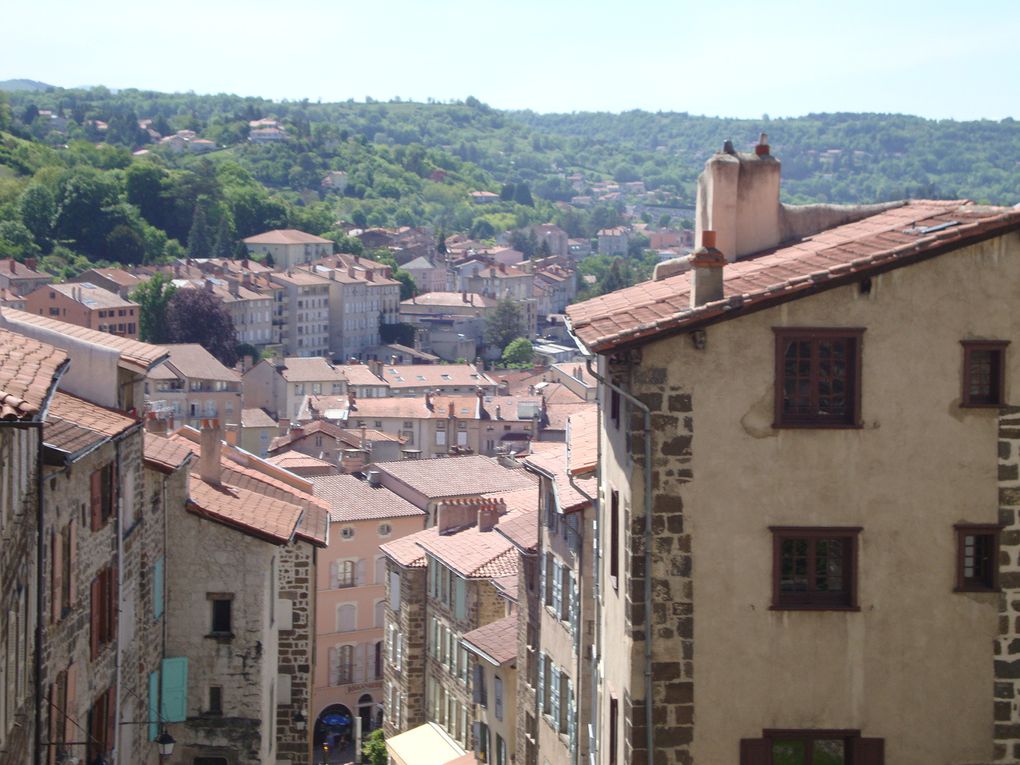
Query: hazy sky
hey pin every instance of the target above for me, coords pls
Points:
(936, 59)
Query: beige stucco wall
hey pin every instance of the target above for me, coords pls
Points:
(914, 665)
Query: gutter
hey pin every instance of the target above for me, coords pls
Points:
(647, 416)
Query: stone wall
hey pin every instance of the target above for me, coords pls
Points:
(1007, 646)
(296, 593)
(412, 630)
(529, 602)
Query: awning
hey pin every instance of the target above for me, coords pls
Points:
(427, 744)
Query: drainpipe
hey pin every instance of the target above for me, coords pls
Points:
(118, 530)
(647, 415)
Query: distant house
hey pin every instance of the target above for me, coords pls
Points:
(22, 278)
(335, 180)
(86, 305)
(613, 241)
(483, 197)
(113, 279)
(267, 135)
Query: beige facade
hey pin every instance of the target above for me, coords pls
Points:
(304, 312)
(288, 247)
(191, 386)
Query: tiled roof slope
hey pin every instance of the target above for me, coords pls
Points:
(351, 499)
(521, 529)
(271, 519)
(471, 553)
(405, 551)
(74, 424)
(889, 239)
(551, 459)
(134, 353)
(163, 454)
(496, 640)
(27, 372)
(583, 442)
(457, 476)
(285, 236)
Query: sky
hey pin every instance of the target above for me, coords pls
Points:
(785, 58)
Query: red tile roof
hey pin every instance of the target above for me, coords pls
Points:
(583, 442)
(496, 641)
(164, 454)
(74, 425)
(521, 529)
(285, 236)
(457, 476)
(271, 519)
(405, 552)
(551, 460)
(889, 239)
(471, 553)
(351, 499)
(28, 372)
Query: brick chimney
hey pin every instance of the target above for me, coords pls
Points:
(12, 264)
(738, 197)
(31, 263)
(452, 410)
(707, 271)
(211, 448)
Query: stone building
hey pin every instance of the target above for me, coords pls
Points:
(29, 374)
(22, 278)
(763, 496)
(493, 649)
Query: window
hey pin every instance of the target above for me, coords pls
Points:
(497, 690)
(614, 537)
(565, 693)
(103, 609)
(614, 408)
(102, 495)
(500, 750)
(385, 530)
(215, 700)
(977, 557)
(102, 723)
(344, 573)
(341, 664)
(807, 747)
(346, 617)
(818, 373)
(347, 532)
(814, 568)
(222, 606)
(614, 716)
(378, 659)
(983, 372)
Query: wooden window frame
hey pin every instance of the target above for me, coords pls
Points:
(989, 582)
(996, 396)
(614, 538)
(103, 610)
(614, 734)
(103, 495)
(220, 597)
(812, 600)
(852, 418)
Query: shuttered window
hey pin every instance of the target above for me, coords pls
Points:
(157, 589)
(103, 610)
(175, 689)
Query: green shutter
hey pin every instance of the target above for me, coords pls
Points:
(175, 689)
(153, 717)
(460, 598)
(157, 589)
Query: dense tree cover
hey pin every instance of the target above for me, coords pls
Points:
(504, 325)
(196, 316)
(71, 191)
(152, 297)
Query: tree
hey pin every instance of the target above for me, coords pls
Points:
(196, 316)
(519, 352)
(522, 195)
(223, 247)
(407, 286)
(125, 245)
(37, 208)
(374, 748)
(152, 297)
(505, 324)
(198, 237)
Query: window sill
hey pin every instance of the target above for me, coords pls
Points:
(974, 589)
(817, 426)
(982, 406)
(808, 607)
(222, 637)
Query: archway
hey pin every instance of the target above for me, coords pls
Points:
(334, 726)
(365, 712)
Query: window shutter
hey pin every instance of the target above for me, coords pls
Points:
(96, 614)
(497, 691)
(476, 734)
(114, 604)
(96, 498)
(542, 579)
(56, 586)
(153, 717)
(460, 598)
(70, 724)
(111, 717)
(575, 604)
(557, 588)
(395, 592)
(359, 663)
(755, 751)
(476, 684)
(540, 693)
(869, 751)
(175, 689)
(334, 575)
(73, 562)
(554, 693)
(360, 575)
(157, 589)
(571, 717)
(334, 666)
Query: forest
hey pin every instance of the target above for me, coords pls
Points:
(82, 182)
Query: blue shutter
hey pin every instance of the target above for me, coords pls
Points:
(157, 589)
(575, 604)
(175, 689)
(542, 580)
(571, 716)
(153, 717)
(557, 586)
(554, 682)
(540, 694)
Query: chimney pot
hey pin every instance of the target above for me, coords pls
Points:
(762, 149)
(13, 265)
(707, 271)
(210, 446)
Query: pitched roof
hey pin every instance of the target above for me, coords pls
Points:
(471, 553)
(433, 375)
(293, 460)
(74, 425)
(450, 300)
(89, 295)
(29, 370)
(507, 586)
(134, 354)
(551, 459)
(496, 641)
(583, 441)
(313, 369)
(116, 275)
(164, 454)
(521, 529)
(285, 236)
(14, 269)
(194, 361)
(257, 418)
(352, 499)
(403, 407)
(271, 519)
(457, 476)
(405, 552)
(312, 428)
(889, 239)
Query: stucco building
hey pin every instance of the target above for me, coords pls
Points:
(86, 305)
(192, 385)
(288, 247)
(762, 495)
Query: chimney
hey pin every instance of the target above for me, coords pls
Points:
(13, 265)
(463, 296)
(428, 401)
(352, 402)
(738, 197)
(452, 413)
(502, 268)
(350, 271)
(235, 287)
(244, 263)
(499, 412)
(489, 512)
(211, 447)
(246, 279)
(31, 263)
(208, 286)
(370, 275)
(707, 271)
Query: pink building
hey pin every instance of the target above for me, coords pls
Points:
(350, 605)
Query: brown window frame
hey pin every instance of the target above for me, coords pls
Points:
(103, 495)
(852, 417)
(995, 396)
(103, 610)
(989, 580)
(813, 600)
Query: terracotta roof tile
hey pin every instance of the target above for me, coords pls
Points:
(551, 459)
(194, 361)
(271, 519)
(457, 476)
(165, 454)
(890, 238)
(74, 425)
(351, 499)
(28, 369)
(583, 442)
(496, 641)
(507, 586)
(293, 460)
(471, 553)
(405, 551)
(521, 529)
(257, 418)
(285, 236)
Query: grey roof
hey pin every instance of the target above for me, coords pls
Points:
(457, 476)
(351, 499)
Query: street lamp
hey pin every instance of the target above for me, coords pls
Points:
(165, 742)
(300, 723)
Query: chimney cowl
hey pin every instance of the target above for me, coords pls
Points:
(762, 147)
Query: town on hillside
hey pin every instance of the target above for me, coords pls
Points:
(444, 497)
